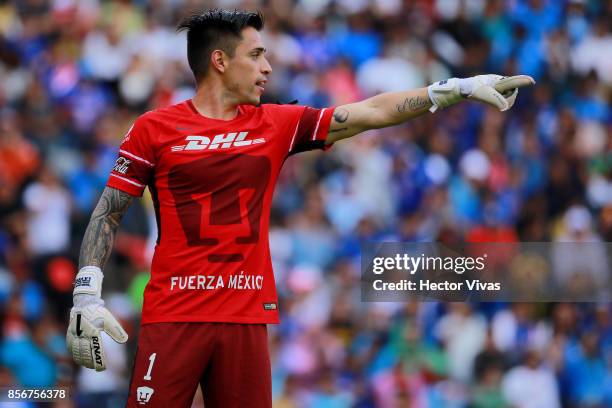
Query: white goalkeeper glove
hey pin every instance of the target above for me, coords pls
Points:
(88, 317)
(496, 90)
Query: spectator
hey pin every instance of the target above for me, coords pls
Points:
(531, 385)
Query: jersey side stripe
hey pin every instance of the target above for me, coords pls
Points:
(127, 180)
(133, 156)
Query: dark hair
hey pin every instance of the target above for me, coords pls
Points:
(215, 29)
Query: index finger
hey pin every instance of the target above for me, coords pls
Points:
(516, 81)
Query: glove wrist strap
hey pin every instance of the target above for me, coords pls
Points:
(88, 281)
(444, 93)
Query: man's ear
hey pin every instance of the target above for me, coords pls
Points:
(218, 60)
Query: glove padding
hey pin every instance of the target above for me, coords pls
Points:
(87, 318)
(495, 90)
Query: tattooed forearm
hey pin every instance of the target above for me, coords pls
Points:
(379, 111)
(413, 104)
(100, 233)
(340, 115)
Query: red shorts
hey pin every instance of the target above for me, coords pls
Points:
(229, 361)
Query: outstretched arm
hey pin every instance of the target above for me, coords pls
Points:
(393, 108)
(383, 110)
(100, 233)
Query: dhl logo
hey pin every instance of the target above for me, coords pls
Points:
(222, 141)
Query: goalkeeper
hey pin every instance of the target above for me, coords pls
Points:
(211, 164)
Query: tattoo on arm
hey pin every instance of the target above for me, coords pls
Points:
(412, 104)
(341, 115)
(100, 233)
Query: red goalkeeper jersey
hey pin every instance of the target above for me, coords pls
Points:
(212, 183)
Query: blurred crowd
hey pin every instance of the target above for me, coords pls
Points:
(74, 74)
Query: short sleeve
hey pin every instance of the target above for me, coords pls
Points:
(310, 129)
(135, 163)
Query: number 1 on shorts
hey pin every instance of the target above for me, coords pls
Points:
(151, 361)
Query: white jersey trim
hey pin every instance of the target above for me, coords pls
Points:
(128, 180)
(294, 134)
(314, 134)
(133, 156)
